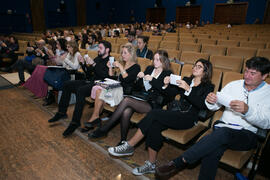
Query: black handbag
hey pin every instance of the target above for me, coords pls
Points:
(203, 114)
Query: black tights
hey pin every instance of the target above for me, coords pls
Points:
(124, 111)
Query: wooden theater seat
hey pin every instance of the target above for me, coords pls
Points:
(191, 57)
(213, 49)
(227, 63)
(243, 52)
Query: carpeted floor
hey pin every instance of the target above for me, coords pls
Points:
(30, 148)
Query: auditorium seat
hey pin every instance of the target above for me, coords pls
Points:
(189, 47)
(121, 41)
(170, 38)
(238, 38)
(243, 52)
(176, 68)
(227, 63)
(252, 44)
(169, 45)
(213, 49)
(264, 53)
(187, 40)
(143, 62)
(173, 54)
(207, 41)
(115, 48)
(156, 38)
(191, 57)
(228, 43)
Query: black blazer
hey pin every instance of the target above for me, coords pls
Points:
(157, 84)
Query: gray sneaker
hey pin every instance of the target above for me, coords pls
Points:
(122, 150)
(148, 167)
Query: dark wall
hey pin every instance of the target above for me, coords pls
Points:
(108, 11)
(17, 19)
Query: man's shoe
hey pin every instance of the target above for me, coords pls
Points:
(147, 168)
(97, 134)
(57, 117)
(71, 128)
(123, 150)
(166, 171)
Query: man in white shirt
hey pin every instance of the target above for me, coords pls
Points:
(238, 125)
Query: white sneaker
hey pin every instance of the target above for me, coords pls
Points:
(122, 150)
(148, 167)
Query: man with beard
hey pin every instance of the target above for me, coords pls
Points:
(82, 88)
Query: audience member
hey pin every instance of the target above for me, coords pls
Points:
(236, 130)
(193, 91)
(127, 78)
(142, 50)
(82, 88)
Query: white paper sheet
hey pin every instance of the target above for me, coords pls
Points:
(224, 99)
(174, 78)
(147, 85)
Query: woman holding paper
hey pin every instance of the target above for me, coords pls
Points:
(127, 77)
(193, 91)
(150, 82)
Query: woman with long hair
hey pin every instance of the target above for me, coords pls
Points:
(193, 91)
(127, 77)
(157, 97)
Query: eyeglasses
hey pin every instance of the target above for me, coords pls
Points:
(197, 66)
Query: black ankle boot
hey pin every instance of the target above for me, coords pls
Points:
(49, 98)
(97, 134)
(93, 123)
(71, 128)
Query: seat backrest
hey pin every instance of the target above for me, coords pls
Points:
(227, 63)
(243, 52)
(202, 36)
(144, 62)
(263, 53)
(116, 56)
(176, 68)
(115, 48)
(216, 78)
(219, 37)
(121, 41)
(187, 39)
(186, 70)
(92, 54)
(169, 45)
(173, 54)
(189, 47)
(191, 57)
(170, 38)
(156, 38)
(238, 38)
(254, 44)
(213, 49)
(230, 76)
(228, 43)
(111, 40)
(207, 41)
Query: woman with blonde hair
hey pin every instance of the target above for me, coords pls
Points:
(128, 74)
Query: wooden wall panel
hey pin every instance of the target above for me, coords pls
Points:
(156, 15)
(38, 18)
(231, 13)
(81, 12)
(188, 14)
